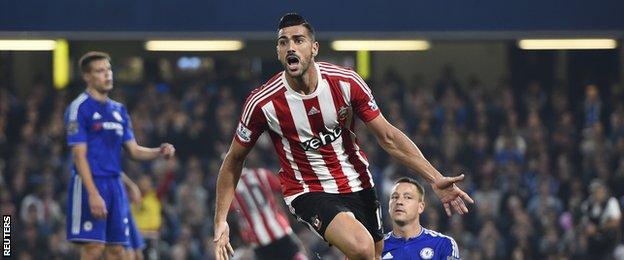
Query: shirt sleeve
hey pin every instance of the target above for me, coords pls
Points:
(362, 100)
(76, 126)
(252, 123)
(128, 130)
(450, 250)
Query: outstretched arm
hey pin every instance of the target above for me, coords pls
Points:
(229, 174)
(142, 153)
(399, 146)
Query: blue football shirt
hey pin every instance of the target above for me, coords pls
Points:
(104, 127)
(428, 244)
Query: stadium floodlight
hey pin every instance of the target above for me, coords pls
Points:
(194, 45)
(27, 45)
(380, 45)
(566, 44)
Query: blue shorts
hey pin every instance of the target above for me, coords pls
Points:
(136, 241)
(83, 227)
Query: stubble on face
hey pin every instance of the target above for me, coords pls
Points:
(295, 50)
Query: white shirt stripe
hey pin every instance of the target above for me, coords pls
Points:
(330, 117)
(350, 74)
(304, 130)
(363, 87)
(254, 213)
(438, 234)
(270, 218)
(75, 105)
(346, 91)
(258, 99)
(76, 205)
(254, 96)
(274, 125)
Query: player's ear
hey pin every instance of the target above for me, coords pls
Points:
(85, 77)
(421, 207)
(315, 49)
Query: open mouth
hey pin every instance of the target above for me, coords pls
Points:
(292, 60)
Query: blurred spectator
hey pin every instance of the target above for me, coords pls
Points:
(185, 246)
(147, 212)
(592, 106)
(490, 241)
(191, 197)
(489, 199)
(601, 221)
(509, 148)
(42, 209)
(148, 215)
(535, 98)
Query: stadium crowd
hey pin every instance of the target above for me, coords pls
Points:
(546, 171)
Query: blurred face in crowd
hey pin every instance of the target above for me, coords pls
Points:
(145, 184)
(100, 76)
(599, 193)
(296, 49)
(591, 92)
(406, 203)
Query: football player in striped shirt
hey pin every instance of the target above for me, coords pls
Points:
(310, 111)
(261, 218)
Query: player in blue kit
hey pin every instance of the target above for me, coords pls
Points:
(136, 243)
(408, 239)
(97, 128)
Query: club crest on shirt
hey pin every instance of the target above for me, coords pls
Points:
(243, 133)
(426, 253)
(343, 112)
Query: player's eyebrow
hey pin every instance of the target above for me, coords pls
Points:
(293, 36)
(404, 193)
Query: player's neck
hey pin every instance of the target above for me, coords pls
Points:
(97, 95)
(407, 231)
(307, 83)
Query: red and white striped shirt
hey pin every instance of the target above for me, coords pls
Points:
(261, 219)
(313, 134)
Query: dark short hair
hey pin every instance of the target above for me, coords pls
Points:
(87, 58)
(293, 19)
(419, 187)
